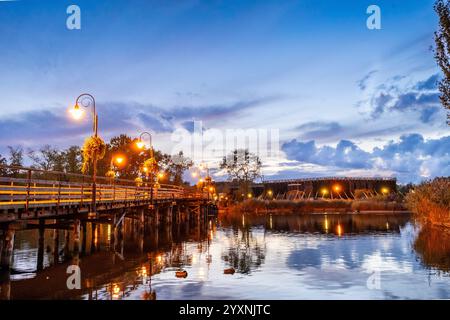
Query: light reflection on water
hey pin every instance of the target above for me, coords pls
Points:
(274, 257)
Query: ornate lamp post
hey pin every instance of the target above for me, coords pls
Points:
(149, 171)
(86, 100)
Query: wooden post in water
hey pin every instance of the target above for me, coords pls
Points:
(40, 255)
(93, 237)
(7, 248)
(5, 285)
(55, 246)
(84, 240)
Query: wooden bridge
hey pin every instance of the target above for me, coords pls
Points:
(27, 193)
(38, 199)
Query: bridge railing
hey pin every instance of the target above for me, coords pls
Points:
(29, 187)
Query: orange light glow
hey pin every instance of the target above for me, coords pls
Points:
(324, 191)
(339, 230)
(337, 188)
(140, 144)
(161, 175)
(116, 289)
(384, 190)
(249, 195)
(76, 112)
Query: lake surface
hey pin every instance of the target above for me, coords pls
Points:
(275, 257)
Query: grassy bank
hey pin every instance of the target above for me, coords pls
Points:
(261, 207)
(430, 202)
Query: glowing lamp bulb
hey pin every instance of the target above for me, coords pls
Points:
(76, 112)
(140, 144)
(119, 160)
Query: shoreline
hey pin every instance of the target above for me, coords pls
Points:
(329, 211)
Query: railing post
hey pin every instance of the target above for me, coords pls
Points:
(27, 201)
(114, 190)
(82, 191)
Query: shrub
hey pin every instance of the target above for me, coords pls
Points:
(430, 201)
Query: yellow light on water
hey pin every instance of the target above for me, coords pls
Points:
(339, 230)
(116, 291)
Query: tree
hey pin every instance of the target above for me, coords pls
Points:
(442, 51)
(3, 171)
(47, 158)
(126, 146)
(72, 159)
(177, 165)
(15, 158)
(243, 166)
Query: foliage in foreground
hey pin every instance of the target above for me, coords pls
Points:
(430, 201)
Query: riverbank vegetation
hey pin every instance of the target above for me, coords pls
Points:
(262, 207)
(430, 202)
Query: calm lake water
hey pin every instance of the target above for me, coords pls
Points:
(274, 257)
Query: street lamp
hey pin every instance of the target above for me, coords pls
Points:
(141, 146)
(86, 100)
(140, 143)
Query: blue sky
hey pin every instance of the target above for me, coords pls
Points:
(346, 100)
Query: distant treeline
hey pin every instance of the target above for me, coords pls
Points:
(70, 160)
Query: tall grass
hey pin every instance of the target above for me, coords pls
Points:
(430, 201)
(261, 207)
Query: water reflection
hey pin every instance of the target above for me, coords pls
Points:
(433, 247)
(269, 257)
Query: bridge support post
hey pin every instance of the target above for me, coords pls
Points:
(66, 243)
(157, 216)
(7, 248)
(84, 235)
(93, 237)
(40, 255)
(76, 236)
(5, 285)
(55, 246)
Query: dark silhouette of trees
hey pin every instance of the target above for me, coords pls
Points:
(243, 167)
(442, 51)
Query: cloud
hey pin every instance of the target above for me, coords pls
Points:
(318, 130)
(53, 125)
(420, 98)
(429, 84)
(362, 83)
(411, 159)
(216, 111)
